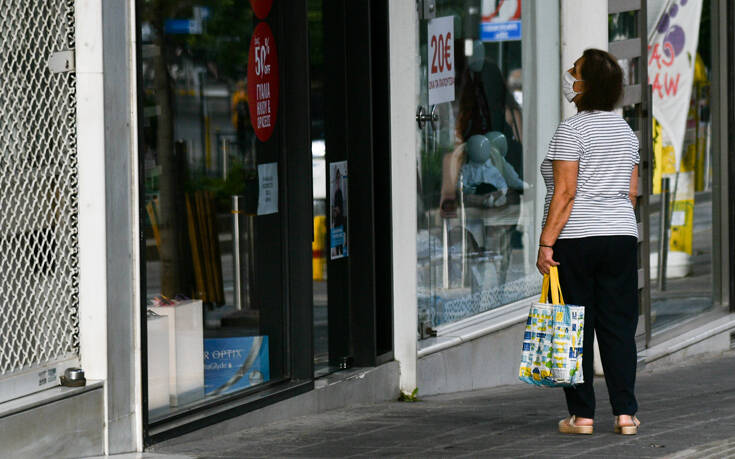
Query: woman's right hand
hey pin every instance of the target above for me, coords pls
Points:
(545, 259)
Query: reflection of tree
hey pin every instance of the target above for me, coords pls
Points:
(170, 186)
(224, 43)
(222, 48)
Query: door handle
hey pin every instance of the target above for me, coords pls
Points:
(422, 117)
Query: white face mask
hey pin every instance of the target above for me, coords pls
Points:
(567, 86)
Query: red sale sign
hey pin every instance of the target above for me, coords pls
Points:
(441, 60)
(261, 8)
(263, 82)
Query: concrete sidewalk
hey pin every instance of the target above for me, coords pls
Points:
(687, 410)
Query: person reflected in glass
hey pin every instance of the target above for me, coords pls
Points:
(241, 117)
(338, 214)
(491, 171)
(590, 233)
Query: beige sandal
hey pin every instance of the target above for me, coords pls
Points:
(567, 426)
(627, 429)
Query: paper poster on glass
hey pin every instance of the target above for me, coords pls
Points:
(268, 188)
(235, 363)
(501, 20)
(440, 46)
(338, 210)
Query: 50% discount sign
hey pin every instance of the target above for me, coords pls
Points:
(263, 82)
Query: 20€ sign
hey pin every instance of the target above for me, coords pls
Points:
(441, 60)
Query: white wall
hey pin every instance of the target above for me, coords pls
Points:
(541, 97)
(90, 150)
(108, 254)
(403, 89)
(583, 26)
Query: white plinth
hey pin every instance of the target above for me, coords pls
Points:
(678, 264)
(158, 365)
(186, 356)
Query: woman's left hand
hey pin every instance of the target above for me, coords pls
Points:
(545, 259)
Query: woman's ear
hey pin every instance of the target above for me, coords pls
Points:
(578, 86)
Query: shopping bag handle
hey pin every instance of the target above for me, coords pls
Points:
(551, 280)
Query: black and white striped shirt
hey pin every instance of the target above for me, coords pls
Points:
(607, 151)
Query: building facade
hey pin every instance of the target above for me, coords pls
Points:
(162, 231)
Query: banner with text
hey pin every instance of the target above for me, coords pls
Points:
(672, 51)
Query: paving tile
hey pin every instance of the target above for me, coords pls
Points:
(689, 408)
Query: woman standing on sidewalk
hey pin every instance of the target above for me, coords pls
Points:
(590, 233)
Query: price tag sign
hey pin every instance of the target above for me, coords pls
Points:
(263, 82)
(441, 60)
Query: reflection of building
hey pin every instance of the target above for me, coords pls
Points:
(457, 276)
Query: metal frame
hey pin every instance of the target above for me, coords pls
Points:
(721, 126)
(729, 34)
(382, 211)
(360, 286)
(640, 95)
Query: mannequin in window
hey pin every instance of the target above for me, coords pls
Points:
(486, 109)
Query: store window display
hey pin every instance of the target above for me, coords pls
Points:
(212, 228)
(475, 219)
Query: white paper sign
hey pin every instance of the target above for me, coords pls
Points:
(440, 61)
(268, 188)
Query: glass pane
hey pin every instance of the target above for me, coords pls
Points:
(319, 193)
(687, 290)
(622, 26)
(476, 224)
(214, 325)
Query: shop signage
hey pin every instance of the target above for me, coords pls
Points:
(235, 363)
(501, 21)
(261, 8)
(440, 47)
(191, 26)
(672, 48)
(182, 27)
(500, 31)
(263, 81)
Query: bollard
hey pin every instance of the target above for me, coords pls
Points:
(319, 249)
(663, 240)
(225, 157)
(236, 252)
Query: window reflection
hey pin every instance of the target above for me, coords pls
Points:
(210, 332)
(475, 209)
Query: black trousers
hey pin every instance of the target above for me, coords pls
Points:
(600, 273)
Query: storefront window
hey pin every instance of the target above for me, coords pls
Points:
(212, 226)
(320, 244)
(476, 222)
(681, 238)
(687, 290)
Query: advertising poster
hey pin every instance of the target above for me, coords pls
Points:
(672, 51)
(672, 60)
(338, 210)
(235, 363)
(440, 47)
(263, 82)
(267, 188)
(501, 20)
